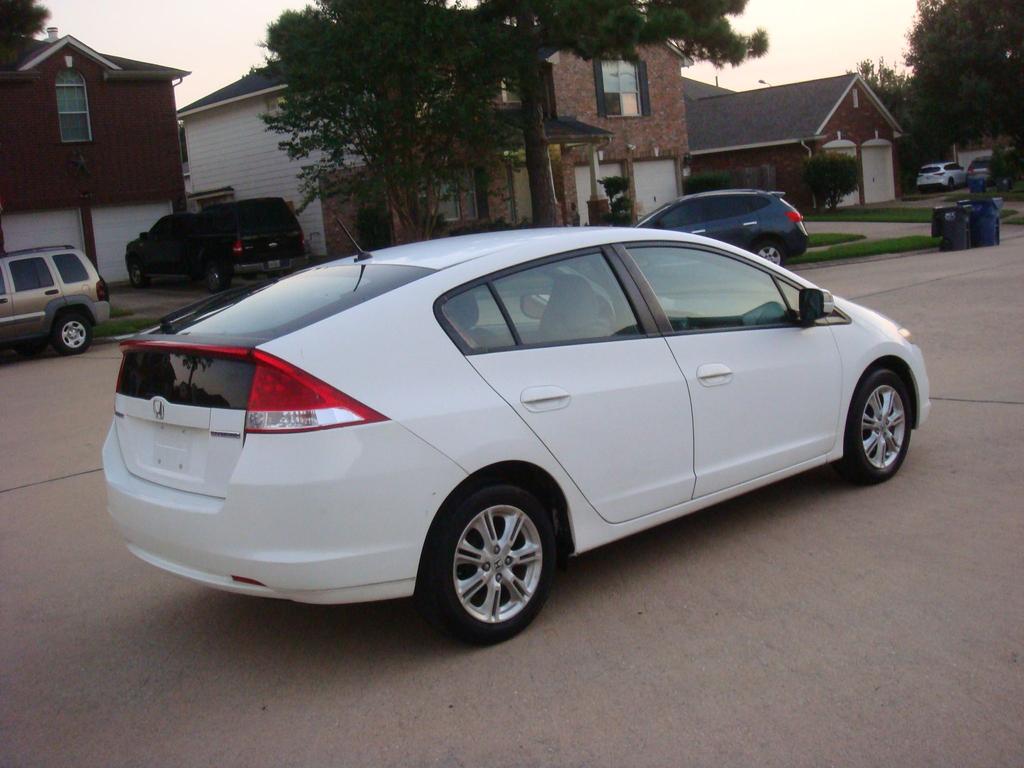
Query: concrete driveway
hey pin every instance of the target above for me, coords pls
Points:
(808, 624)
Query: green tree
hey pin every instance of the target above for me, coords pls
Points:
(968, 62)
(600, 28)
(390, 99)
(19, 19)
(831, 177)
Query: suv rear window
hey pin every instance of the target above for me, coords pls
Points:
(71, 268)
(293, 302)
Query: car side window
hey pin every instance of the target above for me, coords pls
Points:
(162, 228)
(575, 299)
(699, 290)
(683, 215)
(475, 316)
(70, 268)
(29, 274)
(756, 203)
(724, 207)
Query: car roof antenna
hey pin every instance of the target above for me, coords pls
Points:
(361, 255)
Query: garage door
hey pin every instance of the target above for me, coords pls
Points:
(115, 226)
(31, 230)
(655, 182)
(876, 157)
(583, 185)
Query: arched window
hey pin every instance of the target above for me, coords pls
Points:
(72, 106)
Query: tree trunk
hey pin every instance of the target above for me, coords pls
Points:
(538, 164)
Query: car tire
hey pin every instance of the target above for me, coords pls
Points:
(878, 428)
(136, 273)
(771, 250)
(488, 565)
(29, 349)
(71, 333)
(216, 276)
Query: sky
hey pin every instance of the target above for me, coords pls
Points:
(218, 40)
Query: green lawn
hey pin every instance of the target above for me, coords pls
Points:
(821, 239)
(868, 248)
(1014, 220)
(118, 312)
(122, 325)
(899, 215)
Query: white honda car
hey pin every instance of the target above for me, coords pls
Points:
(449, 419)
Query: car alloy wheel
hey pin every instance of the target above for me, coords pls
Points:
(883, 426)
(770, 252)
(497, 564)
(73, 333)
(877, 434)
(488, 564)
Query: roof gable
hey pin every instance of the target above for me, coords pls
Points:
(35, 52)
(252, 84)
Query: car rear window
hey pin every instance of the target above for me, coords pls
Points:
(71, 268)
(264, 217)
(184, 378)
(294, 302)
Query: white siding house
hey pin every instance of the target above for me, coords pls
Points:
(232, 155)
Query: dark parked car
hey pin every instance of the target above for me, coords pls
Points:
(239, 238)
(981, 168)
(760, 222)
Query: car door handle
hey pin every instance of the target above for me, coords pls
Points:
(3, 300)
(714, 374)
(52, 292)
(698, 232)
(547, 398)
(749, 223)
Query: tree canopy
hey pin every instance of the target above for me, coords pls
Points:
(19, 19)
(968, 62)
(386, 98)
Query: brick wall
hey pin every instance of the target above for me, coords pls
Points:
(660, 135)
(133, 156)
(788, 160)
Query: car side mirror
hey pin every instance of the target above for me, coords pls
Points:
(143, 235)
(814, 305)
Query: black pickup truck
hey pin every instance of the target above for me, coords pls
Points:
(259, 236)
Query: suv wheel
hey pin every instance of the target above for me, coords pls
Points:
(771, 250)
(217, 277)
(71, 334)
(488, 565)
(136, 274)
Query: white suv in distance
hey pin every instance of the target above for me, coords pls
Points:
(448, 419)
(941, 175)
(50, 295)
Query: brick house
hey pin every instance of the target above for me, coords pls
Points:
(762, 137)
(89, 150)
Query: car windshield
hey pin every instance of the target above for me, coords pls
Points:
(271, 309)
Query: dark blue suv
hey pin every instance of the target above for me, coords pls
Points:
(760, 222)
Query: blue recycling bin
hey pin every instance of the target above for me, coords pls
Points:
(984, 220)
(976, 185)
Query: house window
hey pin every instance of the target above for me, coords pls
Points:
(72, 106)
(856, 99)
(621, 88)
(449, 206)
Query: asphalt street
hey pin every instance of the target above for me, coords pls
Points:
(807, 624)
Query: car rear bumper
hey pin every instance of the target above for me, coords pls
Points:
(271, 265)
(315, 517)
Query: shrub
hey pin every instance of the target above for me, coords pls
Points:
(831, 177)
(621, 214)
(706, 182)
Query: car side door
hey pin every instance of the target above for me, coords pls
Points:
(765, 390)
(158, 248)
(580, 361)
(33, 290)
(726, 220)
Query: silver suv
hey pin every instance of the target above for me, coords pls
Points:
(50, 295)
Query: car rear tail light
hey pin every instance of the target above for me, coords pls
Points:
(284, 398)
(236, 248)
(794, 216)
(101, 290)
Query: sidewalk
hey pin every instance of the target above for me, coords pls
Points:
(163, 295)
